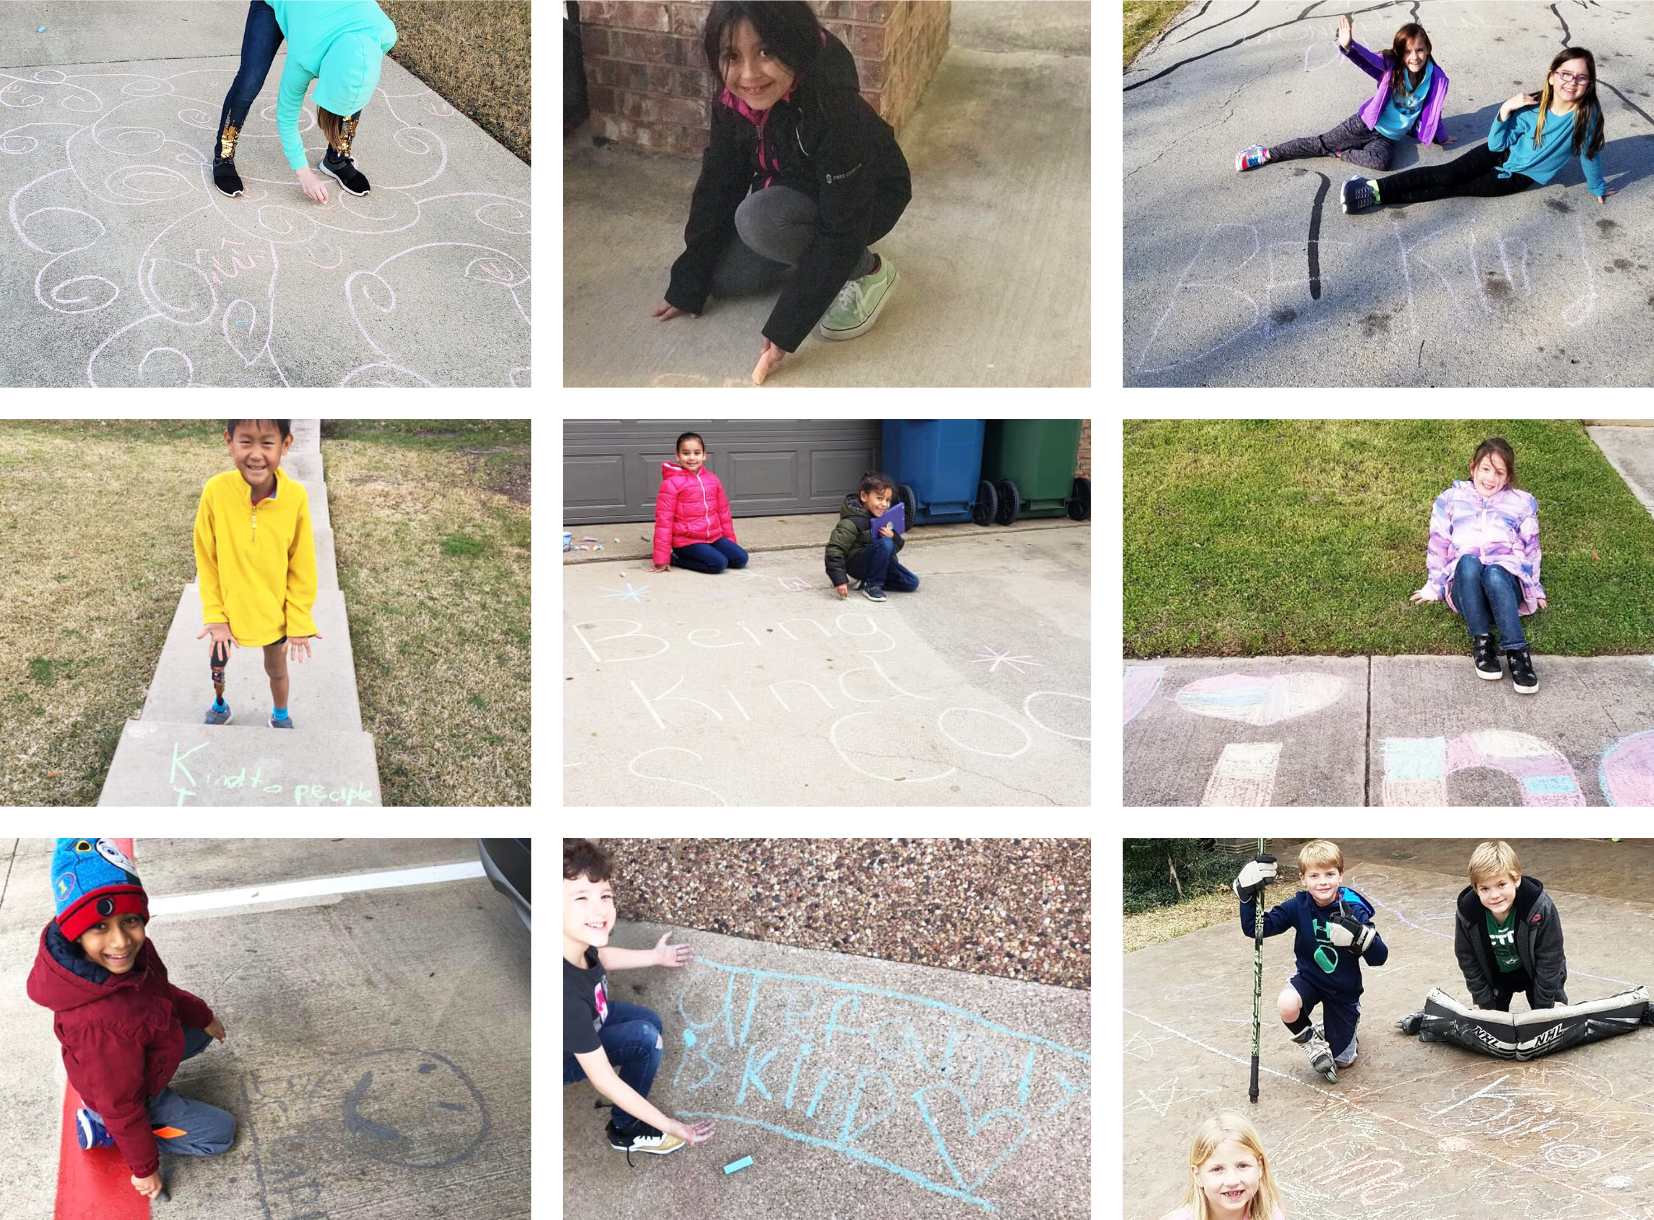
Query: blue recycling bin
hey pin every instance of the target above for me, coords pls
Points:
(937, 466)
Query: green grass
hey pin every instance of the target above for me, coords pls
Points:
(1278, 537)
(440, 634)
(475, 54)
(1143, 21)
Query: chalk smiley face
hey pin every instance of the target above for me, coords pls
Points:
(406, 1106)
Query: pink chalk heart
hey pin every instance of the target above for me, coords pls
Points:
(1627, 772)
(972, 1130)
(1260, 700)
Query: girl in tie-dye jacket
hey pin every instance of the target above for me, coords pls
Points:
(1483, 560)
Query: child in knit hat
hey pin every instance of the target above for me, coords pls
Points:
(123, 1027)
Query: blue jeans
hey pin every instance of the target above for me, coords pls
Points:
(1488, 595)
(877, 567)
(207, 1129)
(631, 1039)
(710, 557)
(259, 43)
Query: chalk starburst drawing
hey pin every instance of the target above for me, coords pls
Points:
(1002, 658)
(629, 593)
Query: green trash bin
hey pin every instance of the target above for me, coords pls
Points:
(1031, 464)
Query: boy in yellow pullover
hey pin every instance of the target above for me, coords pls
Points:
(256, 561)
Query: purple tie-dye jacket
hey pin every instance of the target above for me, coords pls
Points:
(1502, 530)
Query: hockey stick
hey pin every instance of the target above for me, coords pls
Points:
(1257, 978)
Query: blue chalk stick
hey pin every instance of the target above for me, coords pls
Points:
(740, 1164)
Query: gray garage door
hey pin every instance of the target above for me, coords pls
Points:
(611, 467)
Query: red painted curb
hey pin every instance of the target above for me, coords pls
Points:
(95, 1184)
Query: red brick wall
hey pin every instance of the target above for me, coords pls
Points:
(1082, 465)
(649, 88)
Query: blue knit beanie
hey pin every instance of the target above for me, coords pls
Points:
(92, 879)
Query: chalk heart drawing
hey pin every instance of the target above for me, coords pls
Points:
(1258, 699)
(236, 292)
(927, 1091)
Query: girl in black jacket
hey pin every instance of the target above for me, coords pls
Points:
(801, 173)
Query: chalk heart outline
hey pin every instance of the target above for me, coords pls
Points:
(973, 1128)
(1269, 699)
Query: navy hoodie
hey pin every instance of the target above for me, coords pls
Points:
(122, 1035)
(1314, 951)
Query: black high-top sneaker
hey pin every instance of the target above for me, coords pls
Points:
(1521, 671)
(1486, 658)
(344, 169)
(226, 179)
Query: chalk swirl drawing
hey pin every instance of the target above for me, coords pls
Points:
(267, 289)
(932, 1093)
(1260, 700)
(1416, 768)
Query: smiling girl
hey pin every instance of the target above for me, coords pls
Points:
(1408, 99)
(801, 175)
(1530, 141)
(1483, 560)
(1229, 1177)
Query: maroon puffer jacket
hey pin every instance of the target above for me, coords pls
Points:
(689, 508)
(122, 1035)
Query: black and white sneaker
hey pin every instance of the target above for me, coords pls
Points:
(226, 179)
(1521, 671)
(1486, 658)
(641, 1138)
(873, 593)
(344, 169)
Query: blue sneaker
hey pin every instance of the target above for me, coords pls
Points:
(285, 722)
(90, 1131)
(1360, 194)
(218, 713)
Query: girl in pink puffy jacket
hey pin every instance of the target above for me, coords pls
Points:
(693, 526)
(1484, 561)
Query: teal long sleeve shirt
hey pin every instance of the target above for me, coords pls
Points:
(313, 29)
(1555, 147)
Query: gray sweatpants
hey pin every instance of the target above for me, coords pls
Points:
(774, 227)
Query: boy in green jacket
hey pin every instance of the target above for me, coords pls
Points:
(852, 550)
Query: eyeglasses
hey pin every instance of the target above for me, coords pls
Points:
(1568, 78)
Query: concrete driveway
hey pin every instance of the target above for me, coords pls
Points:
(1412, 1129)
(1260, 279)
(994, 251)
(858, 1087)
(761, 687)
(377, 1043)
(123, 265)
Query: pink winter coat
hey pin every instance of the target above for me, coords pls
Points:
(1501, 530)
(689, 508)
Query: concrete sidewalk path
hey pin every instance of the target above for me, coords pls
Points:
(167, 756)
(1260, 279)
(857, 1086)
(1410, 730)
(760, 687)
(1630, 451)
(1412, 1129)
(121, 264)
(993, 252)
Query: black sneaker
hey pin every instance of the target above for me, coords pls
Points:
(873, 593)
(226, 179)
(641, 1138)
(344, 169)
(1521, 671)
(1359, 195)
(1486, 658)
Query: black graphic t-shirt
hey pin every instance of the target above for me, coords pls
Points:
(585, 1004)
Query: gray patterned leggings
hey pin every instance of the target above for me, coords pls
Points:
(774, 227)
(1360, 144)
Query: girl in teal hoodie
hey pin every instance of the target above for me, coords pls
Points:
(339, 44)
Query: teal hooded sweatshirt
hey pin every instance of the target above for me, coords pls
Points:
(339, 44)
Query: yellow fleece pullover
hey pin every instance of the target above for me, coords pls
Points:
(256, 562)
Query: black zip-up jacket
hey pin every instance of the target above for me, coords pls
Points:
(852, 535)
(1538, 944)
(822, 139)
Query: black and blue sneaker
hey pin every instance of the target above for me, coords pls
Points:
(90, 1131)
(218, 713)
(1360, 194)
(873, 593)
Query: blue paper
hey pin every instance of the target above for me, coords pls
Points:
(895, 517)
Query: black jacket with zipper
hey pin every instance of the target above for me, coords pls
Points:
(1538, 944)
(822, 139)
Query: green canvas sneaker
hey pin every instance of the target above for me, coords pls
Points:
(859, 303)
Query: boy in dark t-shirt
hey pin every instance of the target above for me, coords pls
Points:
(1335, 934)
(1507, 934)
(616, 1046)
